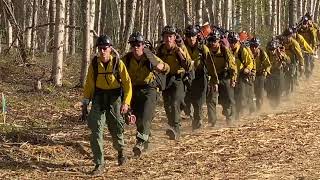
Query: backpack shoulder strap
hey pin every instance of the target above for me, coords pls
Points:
(95, 68)
(116, 70)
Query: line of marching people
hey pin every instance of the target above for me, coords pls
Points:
(204, 65)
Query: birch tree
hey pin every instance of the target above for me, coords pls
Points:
(59, 42)
(129, 25)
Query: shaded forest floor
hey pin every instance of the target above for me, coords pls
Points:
(44, 139)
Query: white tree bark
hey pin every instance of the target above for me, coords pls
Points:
(254, 12)
(199, 12)
(148, 20)
(219, 13)
(52, 13)
(238, 12)
(66, 33)
(279, 14)
(142, 4)
(98, 19)
(72, 30)
(28, 23)
(299, 8)
(292, 14)
(91, 25)
(273, 17)
(59, 42)
(129, 26)
(34, 24)
(187, 15)
(46, 29)
(163, 12)
(86, 43)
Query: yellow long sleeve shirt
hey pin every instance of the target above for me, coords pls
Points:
(206, 58)
(107, 81)
(262, 62)
(170, 57)
(246, 59)
(303, 43)
(293, 50)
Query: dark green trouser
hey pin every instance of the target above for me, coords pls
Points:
(105, 109)
(274, 85)
(258, 90)
(197, 97)
(289, 77)
(143, 104)
(250, 96)
(172, 99)
(212, 101)
(226, 98)
(308, 64)
(240, 93)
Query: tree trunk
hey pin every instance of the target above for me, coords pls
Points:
(219, 13)
(254, 12)
(299, 8)
(86, 43)
(52, 13)
(28, 23)
(210, 4)
(163, 12)
(104, 8)
(72, 30)
(142, 4)
(304, 7)
(292, 14)
(238, 12)
(91, 25)
(59, 42)
(46, 29)
(129, 26)
(148, 20)
(316, 11)
(34, 24)
(123, 19)
(273, 17)
(198, 11)
(187, 15)
(98, 19)
(279, 14)
(66, 33)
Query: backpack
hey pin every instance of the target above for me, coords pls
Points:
(160, 78)
(115, 69)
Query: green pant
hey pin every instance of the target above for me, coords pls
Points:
(172, 98)
(197, 98)
(226, 98)
(105, 110)
(143, 104)
(274, 85)
(259, 89)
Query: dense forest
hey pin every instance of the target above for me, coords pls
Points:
(66, 27)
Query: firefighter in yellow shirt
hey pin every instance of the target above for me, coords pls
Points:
(106, 81)
(226, 69)
(262, 68)
(142, 66)
(310, 33)
(279, 62)
(178, 58)
(245, 65)
(294, 51)
(203, 67)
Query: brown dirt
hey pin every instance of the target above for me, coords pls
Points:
(44, 139)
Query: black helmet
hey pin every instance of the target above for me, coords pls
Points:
(192, 31)
(136, 37)
(288, 32)
(169, 30)
(254, 42)
(214, 36)
(104, 40)
(233, 37)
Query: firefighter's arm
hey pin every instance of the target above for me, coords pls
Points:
(89, 84)
(126, 83)
(298, 52)
(210, 66)
(232, 65)
(305, 44)
(186, 60)
(266, 62)
(156, 62)
(247, 60)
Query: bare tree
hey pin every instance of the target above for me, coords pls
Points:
(92, 17)
(163, 12)
(34, 23)
(129, 26)
(273, 17)
(59, 43)
(46, 28)
(9, 29)
(198, 8)
(72, 30)
(52, 14)
(292, 14)
(218, 13)
(187, 15)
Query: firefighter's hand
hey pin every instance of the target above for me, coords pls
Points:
(160, 67)
(124, 108)
(213, 87)
(233, 83)
(301, 68)
(246, 71)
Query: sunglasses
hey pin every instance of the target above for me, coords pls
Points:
(136, 44)
(103, 48)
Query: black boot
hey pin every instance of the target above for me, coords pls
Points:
(139, 147)
(98, 170)
(121, 158)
